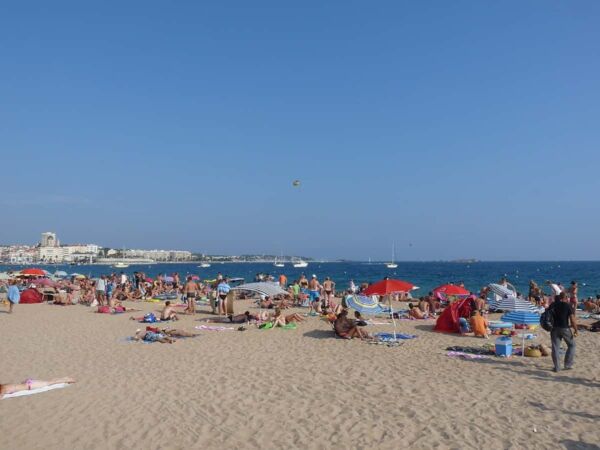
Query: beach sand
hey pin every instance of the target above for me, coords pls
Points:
(275, 389)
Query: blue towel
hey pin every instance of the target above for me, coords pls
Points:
(390, 336)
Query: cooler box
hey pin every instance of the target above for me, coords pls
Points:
(504, 346)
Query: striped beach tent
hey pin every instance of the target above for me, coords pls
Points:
(512, 303)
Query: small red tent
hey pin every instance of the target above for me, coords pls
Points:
(448, 320)
(30, 296)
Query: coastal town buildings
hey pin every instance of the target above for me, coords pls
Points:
(49, 250)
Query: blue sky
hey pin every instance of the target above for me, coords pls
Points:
(456, 129)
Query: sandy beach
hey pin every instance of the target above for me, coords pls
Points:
(274, 389)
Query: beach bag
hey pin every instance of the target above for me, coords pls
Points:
(104, 309)
(149, 318)
(547, 319)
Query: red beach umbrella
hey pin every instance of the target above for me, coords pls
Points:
(386, 287)
(34, 272)
(450, 290)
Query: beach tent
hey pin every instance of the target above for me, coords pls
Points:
(29, 296)
(448, 320)
(267, 289)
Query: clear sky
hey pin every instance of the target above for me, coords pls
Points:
(454, 128)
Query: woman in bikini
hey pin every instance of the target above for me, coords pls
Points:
(30, 384)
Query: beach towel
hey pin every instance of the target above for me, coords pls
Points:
(483, 350)
(213, 328)
(390, 336)
(466, 355)
(35, 391)
(391, 343)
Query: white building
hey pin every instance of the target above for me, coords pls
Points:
(49, 240)
(50, 250)
(159, 255)
(18, 254)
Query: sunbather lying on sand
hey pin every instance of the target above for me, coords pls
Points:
(151, 336)
(165, 335)
(28, 385)
(238, 318)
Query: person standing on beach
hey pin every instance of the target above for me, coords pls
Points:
(101, 290)
(14, 296)
(328, 288)
(573, 291)
(282, 281)
(352, 287)
(563, 318)
(314, 291)
(222, 290)
(190, 290)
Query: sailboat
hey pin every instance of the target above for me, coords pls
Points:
(392, 265)
(121, 264)
(277, 263)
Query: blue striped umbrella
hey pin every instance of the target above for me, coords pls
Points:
(522, 317)
(512, 303)
(364, 305)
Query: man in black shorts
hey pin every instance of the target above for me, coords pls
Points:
(563, 318)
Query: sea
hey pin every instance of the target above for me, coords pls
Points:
(426, 275)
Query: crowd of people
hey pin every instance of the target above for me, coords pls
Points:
(108, 292)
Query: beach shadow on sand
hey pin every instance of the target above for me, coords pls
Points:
(585, 415)
(427, 327)
(320, 334)
(578, 445)
(539, 374)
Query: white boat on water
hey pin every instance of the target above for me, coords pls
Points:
(392, 265)
(120, 265)
(300, 264)
(204, 265)
(278, 263)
